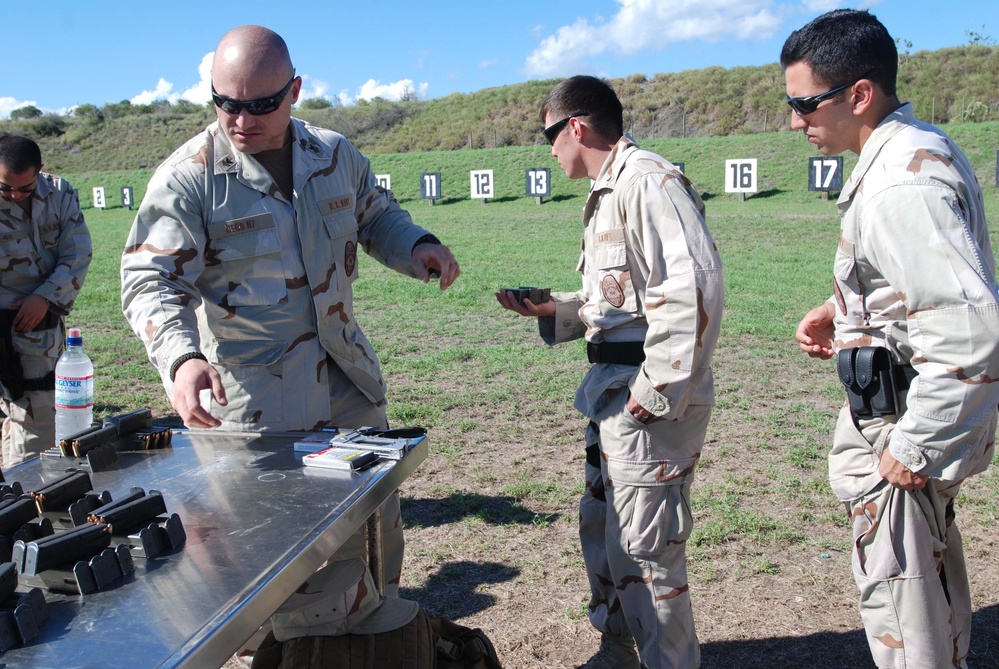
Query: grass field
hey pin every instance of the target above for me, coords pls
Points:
(491, 516)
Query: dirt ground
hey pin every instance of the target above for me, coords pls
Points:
(492, 540)
(764, 596)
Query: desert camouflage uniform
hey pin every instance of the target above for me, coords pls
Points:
(652, 274)
(46, 255)
(915, 273)
(220, 262)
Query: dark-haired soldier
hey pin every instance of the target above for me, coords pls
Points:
(650, 309)
(915, 288)
(45, 252)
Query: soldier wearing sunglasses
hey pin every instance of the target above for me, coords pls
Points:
(650, 309)
(914, 273)
(238, 270)
(45, 252)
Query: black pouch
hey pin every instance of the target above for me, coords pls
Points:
(11, 374)
(871, 379)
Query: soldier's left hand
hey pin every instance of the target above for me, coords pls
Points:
(30, 312)
(898, 474)
(640, 413)
(435, 259)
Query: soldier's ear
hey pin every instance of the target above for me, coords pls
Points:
(864, 93)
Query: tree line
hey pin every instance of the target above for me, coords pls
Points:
(956, 84)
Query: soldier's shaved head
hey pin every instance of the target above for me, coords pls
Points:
(253, 78)
(251, 51)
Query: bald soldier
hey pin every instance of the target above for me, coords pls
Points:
(238, 271)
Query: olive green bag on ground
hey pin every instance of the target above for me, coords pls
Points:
(423, 643)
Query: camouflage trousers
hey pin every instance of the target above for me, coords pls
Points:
(908, 562)
(350, 408)
(29, 425)
(634, 523)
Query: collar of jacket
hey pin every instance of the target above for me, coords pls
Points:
(893, 124)
(615, 162)
(44, 187)
(308, 156)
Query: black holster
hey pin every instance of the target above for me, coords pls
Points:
(873, 380)
(13, 385)
(11, 374)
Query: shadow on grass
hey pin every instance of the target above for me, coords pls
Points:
(832, 649)
(451, 591)
(429, 512)
(561, 198)
(763, 194)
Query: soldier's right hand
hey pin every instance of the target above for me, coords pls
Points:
(815, 332)
(190, 379)
(527, 308)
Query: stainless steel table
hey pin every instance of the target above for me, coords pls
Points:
(258, 524)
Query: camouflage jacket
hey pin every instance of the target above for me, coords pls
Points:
(651, 273)
(915, 272)
(219, 262)
(47, 254)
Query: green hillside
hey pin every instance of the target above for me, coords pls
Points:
(949, 85)
(782, 169)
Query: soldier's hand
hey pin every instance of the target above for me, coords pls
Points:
(30, 312)
(815, 332)
(640, 413)
(435, 260)
(898, 474)
(190, 379)
(527, 308)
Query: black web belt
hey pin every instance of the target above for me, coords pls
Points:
(616, 353)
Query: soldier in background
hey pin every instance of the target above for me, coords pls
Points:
(238, 271)
(650, 309)
(45, 253)
(915, 274)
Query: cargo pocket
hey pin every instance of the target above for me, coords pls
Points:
(847, 289)
(614, 276)
(249, 249)
(251, 373)
(38, 350)
(661, 518)
(21, 274)
(342, 229)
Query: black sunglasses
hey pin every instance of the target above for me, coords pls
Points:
(804, 106)
(257, 107)
(552, 131)
(5, 188)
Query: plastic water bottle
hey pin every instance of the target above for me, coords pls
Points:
(74, 388)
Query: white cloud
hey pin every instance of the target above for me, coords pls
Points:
(373, 88)
(161, 92)
(641, 25)
(489, 62)
(314, 88)
(566, 51)
(8, 104)
(201, 92)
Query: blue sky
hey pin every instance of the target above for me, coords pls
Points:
(65, 53)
